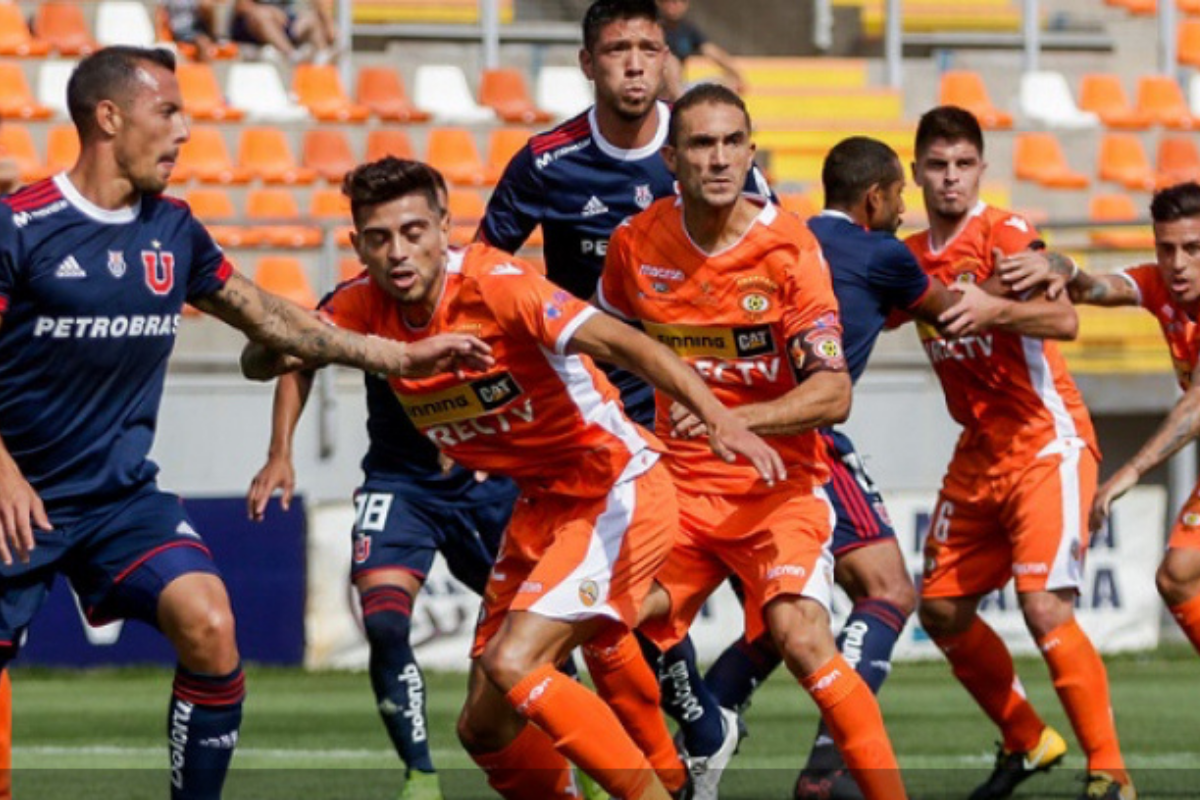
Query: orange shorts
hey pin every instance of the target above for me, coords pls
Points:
(1029, 524)
(1185, 533)
(572, 558)
(775, 543)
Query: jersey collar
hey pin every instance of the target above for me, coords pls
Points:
(978, 210)
(118, 216)
(612, 151)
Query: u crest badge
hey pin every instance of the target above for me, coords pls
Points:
(116, 263)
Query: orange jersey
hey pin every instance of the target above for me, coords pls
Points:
(732, 316)
(1181, 331)
(1011, 393)
(542, 416)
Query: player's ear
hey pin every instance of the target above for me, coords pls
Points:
(668, 155)
(108, 117)
(916, 176)
(585, 63)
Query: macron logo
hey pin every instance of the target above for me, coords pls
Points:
(507, 269)
(1018, 223)
(69, 268)
(594, 207)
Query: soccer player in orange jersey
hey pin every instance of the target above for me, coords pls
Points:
(597, 515)
(740, 291)
(1015, 499)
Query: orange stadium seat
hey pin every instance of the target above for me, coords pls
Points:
(1160, 97)
(15, 38)
(62, 26)
(214, 207)
(285, 276)
(1104, 95)
(389, 142)
(503, 144)
(382, 91)
(1038, 157)
(1188, 42)
(266, 154)
(965, 89)
(452, 151)
(16, 100)
(327, 151)
(1178, 161)
(466, 210)
(318, 87)
(62, 148)
(16, 142)
(1123, 160)
(349, 268)
(505, 91)
(1117, 208)
(205, 157)
(277, 218)
(202, 96)
(331, 205)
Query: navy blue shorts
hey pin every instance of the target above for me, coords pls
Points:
(398, 525)
(118, 558)
(862, 518)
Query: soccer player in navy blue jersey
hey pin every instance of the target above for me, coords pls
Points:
(95, 265)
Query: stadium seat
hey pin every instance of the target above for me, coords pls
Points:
(1046, 99)
(16, 101)
(1142, 8)
(1178, 161)
(214, 207)
(277, 219)
(205, 157)
(1103, 94)
(389, 142)
(1117, 208)
(327, 151)
(62, 25)
(62, 148)
(285, 276)
(52, 77)
(15, 38)
(318, 87)
(124, 22)
(503, 144)
(16, 142)
(257, 90)
(506, 93)
(266, 154)
(1038, 157)
(452, 152)
(965, 89)
(349, 268)
(466, 210)
(1188, 42)
(1160, 98)
(1123, 160)
(330, 205)
(1194, 94)
(442, 90)
(563, 91)
(202, 96)
(382, 91)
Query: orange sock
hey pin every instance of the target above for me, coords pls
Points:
(625, 681)
(585, 730)
(984, 666)
(5, 737)
(1082, 685)
(852, 714)
(529, 768)
(1187, 614)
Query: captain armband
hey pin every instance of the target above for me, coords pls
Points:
(816, 350)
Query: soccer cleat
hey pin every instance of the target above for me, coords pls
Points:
(827, 784)
(705, 771)
(1014, 768)
(421, 786)
(1102, 786)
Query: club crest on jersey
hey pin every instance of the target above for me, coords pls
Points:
(755, 304)
(589, 593)
(160, 270)
(116, 263)
(362, 547)
(643, 196)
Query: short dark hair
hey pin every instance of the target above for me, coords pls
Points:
(390, 178)
(1176, 202)
(856, 164)
(108, 74)
(951, 123)
(602, 12)
(701, 94)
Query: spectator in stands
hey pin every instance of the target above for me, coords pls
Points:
(685, 40)
(297, 34)
(193, 22)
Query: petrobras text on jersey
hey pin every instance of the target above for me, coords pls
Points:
(118, 327)
(23, 218)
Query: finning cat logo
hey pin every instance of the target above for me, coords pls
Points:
(642, 196)
(116, 263)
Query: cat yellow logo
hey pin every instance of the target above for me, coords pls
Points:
(461, 402)
(696, 340)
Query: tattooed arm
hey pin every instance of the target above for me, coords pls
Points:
(1102, 290)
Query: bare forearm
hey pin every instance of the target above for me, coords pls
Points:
(1039, 318)
(1101, 290)
(1181, 426)
(823, 399)
(291, 395)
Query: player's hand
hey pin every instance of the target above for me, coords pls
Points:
(277, 474)
(448, 352)
(730, 438)
(1120, 483)
(974, 312)
(446, 464)
(1029, 269)
(21, 511)
(685, 424)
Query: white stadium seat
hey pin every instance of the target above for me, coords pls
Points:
(1046, 99)
(124, 22)
(52, 80)
(442, 90)
(256, 88)
(563, 91)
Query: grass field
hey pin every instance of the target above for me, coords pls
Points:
(100, 734)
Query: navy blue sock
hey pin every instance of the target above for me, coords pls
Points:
(739, 670)
(395, 676)
(866, 642)
(689, 702)
(202, 731)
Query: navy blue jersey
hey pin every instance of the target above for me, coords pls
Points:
(91, 301)
(684, 39)
(873, 274)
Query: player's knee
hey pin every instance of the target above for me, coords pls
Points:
(506, 662)
(484, 732)
(1177, 581)
(942, 619)
(204, 639)
(1045, 611)
(895, 590)
(800, 631)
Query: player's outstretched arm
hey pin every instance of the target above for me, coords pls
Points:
(1102, 290)
(285, 327)
(606, 339)
(1181, 426)
(821, 399)
(291, 395)
(978, 311)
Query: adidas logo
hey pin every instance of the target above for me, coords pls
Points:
(69, 268)
(594, 207)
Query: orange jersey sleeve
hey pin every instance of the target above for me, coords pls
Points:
(525, 303)
(354, 305)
